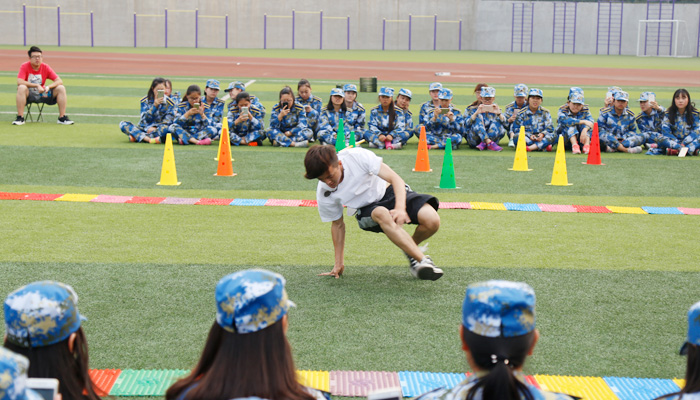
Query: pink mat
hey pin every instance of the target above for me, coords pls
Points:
(145, 200)
(690, 211)
(283, 203)
(557, 208)
(592, 209)
(105, 198)
(180, 200)
(309, 203)
(455, 205)
(214, 202)
(359, 383)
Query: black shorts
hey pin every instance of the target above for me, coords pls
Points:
(414, 202)
(37, 98)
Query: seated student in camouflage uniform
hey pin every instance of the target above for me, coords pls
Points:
(157, 113)
(441, 126)
(216, 105)
(403, 102)
(486, 123)
(681, 126)
(539, 132)
(472, 108)
(288, 126)
(649, 121)
(512, 109)
(245, 122)
(575, 122)
(193, 123)
(355, 114)
(386, 123)
(330, 118)
(312, 104)
(497, 334)
(617, 129)
(236, 87)
(610, 96)
(425, 109)
(175, 96)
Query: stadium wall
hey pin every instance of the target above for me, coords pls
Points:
(373, 25)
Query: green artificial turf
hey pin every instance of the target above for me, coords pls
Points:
(612, 289)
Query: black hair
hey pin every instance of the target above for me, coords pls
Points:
(156, 82)
(289, 91)
(673, 110)
(392, 115)
(242, 96)
(477, 89)
(692, 373)
(34, 49)
(191, 89)
(499, 356)
(318, 159)
(303, 82)
(331, 107)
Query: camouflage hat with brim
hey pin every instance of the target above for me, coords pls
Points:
(213, 84)
(386, 91)
(520, 90)
(41, 314)
(337, 92)
(577, 98)
(13, 377)
(349, 87)
(405, 92)
(536, 92)
(499, 309)
(435, 86)
(645, 96)
(621, 96)
(488, 91)
(445, 94)
(251, 300)
(575, 90)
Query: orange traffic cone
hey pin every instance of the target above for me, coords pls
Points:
(422, 160)
(225, 168)
(594, 152)
(224, 126)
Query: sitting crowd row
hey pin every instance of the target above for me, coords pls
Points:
(297, 121)
(247, 354)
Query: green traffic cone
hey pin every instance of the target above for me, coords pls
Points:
(447, 178)
(352, 139)
(340, 137)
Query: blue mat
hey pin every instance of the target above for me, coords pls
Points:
(248, 202)
(521, 207)
(662, 210)
(416, 383)
(640, 388)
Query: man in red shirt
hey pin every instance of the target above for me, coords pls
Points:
(31, 86)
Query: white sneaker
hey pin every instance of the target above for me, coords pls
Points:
(634, 150)
(511, 143)
(397, 146)
(303, 143)
(426, 270)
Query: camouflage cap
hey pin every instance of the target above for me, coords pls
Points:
(213, 84)
(575, 90)
(251, 300)
(386, 91)
(499, 309)
(235, 85)
(41, 314)
(337, 92)
(445, 94)
(13, 377)
(435, 86)
(349, 87)
(622, 96)
(406, 92)
(520, 90)
(693, 328)
(487, 91)
(646, 95)
(535, 92)
(577, 98)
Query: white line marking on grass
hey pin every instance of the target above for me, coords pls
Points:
(81, 115)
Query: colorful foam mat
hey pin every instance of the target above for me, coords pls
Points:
(130, 382)
(474, 205)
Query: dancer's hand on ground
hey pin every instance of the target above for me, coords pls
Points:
(336, 272)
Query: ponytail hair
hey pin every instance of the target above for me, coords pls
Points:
(156, 82)
(499, 356)
(673, 109)
(692, 374)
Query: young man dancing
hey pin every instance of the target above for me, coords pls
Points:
(380, 200)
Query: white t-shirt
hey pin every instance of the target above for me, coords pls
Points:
(361, 185)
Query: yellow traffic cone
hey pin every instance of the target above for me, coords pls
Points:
(224, 126)
(559, 177)
(168, 174)
(520, 161)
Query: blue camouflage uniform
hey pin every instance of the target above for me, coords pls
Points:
(680, 134)
(649, 125)
(438, 130)
(160, 117)
(618, 129)
(536, 122)
(194, 127)
(216, 112)
(294, 121)
(252, 130)
(568, 124)
(486, 125)
(424, 113)
(379, 125)
(408, 115)
(312, 117)
(254, 101)
(355, 116)
(519, 90)
(328, 126)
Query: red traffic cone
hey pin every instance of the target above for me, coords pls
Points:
(594, 152)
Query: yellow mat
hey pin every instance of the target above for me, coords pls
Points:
(76, 197)
(679, 382)
(582, 386)
(480, 205)
(315, 379)
(626, 210)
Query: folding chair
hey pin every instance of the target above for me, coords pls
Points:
(28, 115)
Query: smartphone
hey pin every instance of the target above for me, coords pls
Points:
(244, 110)
(161, 93)
(444, 111)
(285, 106)
(652, 97)
(47, 388)
(196, 106)
(489, 108)
(393, 393)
